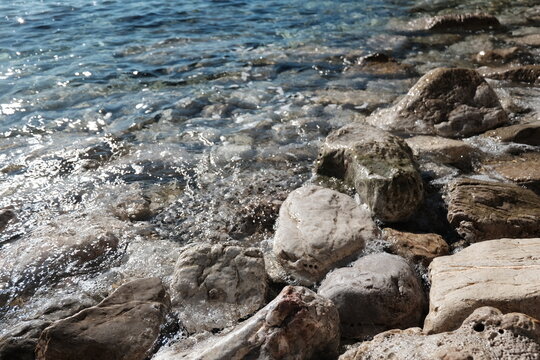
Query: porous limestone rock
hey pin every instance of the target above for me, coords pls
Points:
(486, 334)
(298, 324)
(124, 326)
(379, 165)
(215, 285)
(483, 210)
(417, 248)
(317, 230)
(377, 293)
(502, 273)
(446, 102)
(528, 133)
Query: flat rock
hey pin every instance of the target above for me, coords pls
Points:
(514, 54)
(298, 324)
(445, 102)
(379, 64)
(441, 150)
(377, 293)
(124, 326)
(456, 22)
(523, 170)
(529, 74)
(319, 229)
(483, 210)
(521, 133)
(417, 248)
(502, 273)
(378, 165)
(486, 334)
(215, 285)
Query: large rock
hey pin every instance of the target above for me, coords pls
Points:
(486, 334)
(446, 102)
(317, 230)
(377, 293)
(502, 273)
(124, 326)
(379, 165)
(417, 248)
(522, 133)
(456, 22)
(298, 324)
(215, 285)
(483, 210)
(20, 342)
(529, 74)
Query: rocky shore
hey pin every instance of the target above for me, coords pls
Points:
(400, 246)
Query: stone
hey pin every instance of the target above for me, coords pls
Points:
(441, 150)
(379, 64)
(378, 165)
(528, 40)
(486, 334)
(513, 54)
(317, 230)
(124, 325)
(529, 74)
(133, 206)
(298, 324)
(20, 342)
(213, 286)
(502, 273)
(528, 133)
(417, 248)
(377, 293)
(483, 210)
(7, 215)
(523, 170)
(456, 22)
(446, 102)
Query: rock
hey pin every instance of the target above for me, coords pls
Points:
(379, 165)
(132, 206)
(215, 285)
(377, 293)
(456, 22)
(20, 342)
(440, 150)
(486, 334)
(317, 230)
(522, 133)
(6, 216)
(523, 170)
(379, 64)
(359, 100)
(124, 325)
(504, 56)
(446, 102)
(526, 73)
(502, 273)
(418, 248)
(483, 210)
(528, 40)
(298, 324)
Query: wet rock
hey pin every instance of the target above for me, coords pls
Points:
(529, 74)
(486, 334)
(124, 325)
(501, 273)
(298, 324)
(513, 54)
(359, 100)
(317, 230)
(456, 22)
(215, 285)
(483, 210)
(379, 64)
(417, 248)
(440, 150)
(379, 165)
(134, 206)
(445, 102)
(377, 293)
(523, 170)
(522, 133)
(20, 343)
(7, 215)
(528, 40)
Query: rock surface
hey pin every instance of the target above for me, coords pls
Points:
(379, 64)
(504, 56)
(529, 40)
(523, 170)
(522, 133)
(502, 273)
(379, 165)
(483, 210)
(298, 324)
(417, 248)
(486, 334)
(319, 229)
(215, 285)
(441, 150)
(377, 293)
(456, 22)
(529, 74)
(21, 341)
(446, 102)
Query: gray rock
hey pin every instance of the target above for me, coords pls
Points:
(298, 324)
(483, 210)
(317, 230)
(486, 334)
(377, 293)
(456, 22)
(446, 102)
(502, 273)
(379, 165)
(124, 326)
(215, 285)
(522, 133)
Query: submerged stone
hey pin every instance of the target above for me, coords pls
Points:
(456, 22)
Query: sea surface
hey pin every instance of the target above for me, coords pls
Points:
(204, 113)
